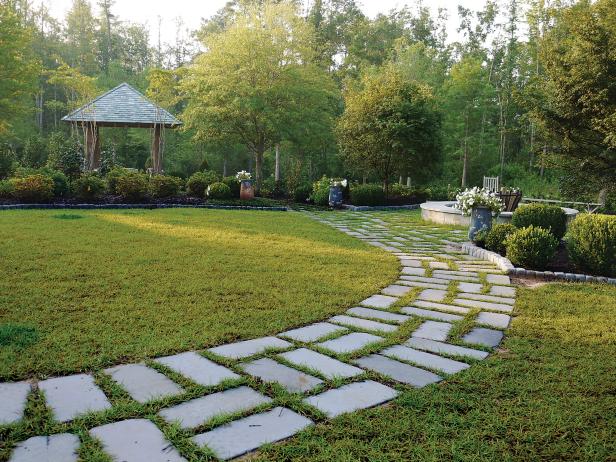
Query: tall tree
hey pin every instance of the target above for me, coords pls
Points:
(80, 35)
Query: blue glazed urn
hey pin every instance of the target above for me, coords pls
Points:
(481, 218)
(335, 196)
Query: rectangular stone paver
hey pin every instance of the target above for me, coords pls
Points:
(433, 330)
(484, 305)
(197, 368)
(350, 342)
(379, 301)
(442, 282)
(351, 397)
(432, 361)
(396, 290)
(431, 314)
(447, 348)
(378, 314)
(470, 287)
(143, 383)
(488, 298)
(425, 285)
(498, 320)
(410, 262)
(313, 332)
(498, 279)
(482, 336)
(432, 295)
(135, 440)
(55, 448)
(398, 371)
(199, 411)
(245, 435)
(13, 399)
(412, 271)
(502, 291)
(438, 265)
(441, 306)
(324, 365)
(249, 347)
(292, 380)
(364, 324)
(72, 396)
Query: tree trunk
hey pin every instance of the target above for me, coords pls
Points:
(157, 166)
(259, 169)
(465, 158)
(277, 169)
(224, 167)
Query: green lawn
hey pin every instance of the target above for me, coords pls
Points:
(88, 289)
(549, 394)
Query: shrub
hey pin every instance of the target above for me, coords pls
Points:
(162, 186)
(233, 184)
(591, 242)
(302, 193)
(33, 188)
(60, 182)
(88, 186)
(549, 217)
(112, 179)
(7, 159)
(132, 186)
(271, 189)
(6, 189)
(35, 152)
(65, 155)
(495, 239)
(367, 194)
(218, 191)
(320, 191)
(197, 184)
(532, 247)
(480, 237)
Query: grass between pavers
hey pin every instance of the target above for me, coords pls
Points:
(119, 286)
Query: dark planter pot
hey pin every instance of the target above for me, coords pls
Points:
(335, 196)
(247, 191)
(481, 218)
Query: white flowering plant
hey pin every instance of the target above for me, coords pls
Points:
(478, 197)
(243, 176)
(338, 182)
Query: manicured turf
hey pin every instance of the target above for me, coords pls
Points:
(93, 288)
(547, 395)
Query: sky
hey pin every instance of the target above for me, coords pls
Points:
(191, 11)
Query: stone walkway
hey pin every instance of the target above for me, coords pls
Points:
(412, 334)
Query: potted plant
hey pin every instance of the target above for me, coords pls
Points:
(247, 191)
(480, 204)
(335, 191)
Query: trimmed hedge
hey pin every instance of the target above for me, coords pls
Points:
(233, 184)
(591, 242)
(88, 187)
(33, 188)
(162, 186)
(495, 240)
(367, 194)
(197, 184)
(218, 191)
(132, 186)
(549, 217)
(532, 247)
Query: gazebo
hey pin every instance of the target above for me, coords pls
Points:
(122, 106)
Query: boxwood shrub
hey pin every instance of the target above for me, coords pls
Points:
(33, 188)
(591, 242)
(495, 240)
(88, 187)
(549, 217)
(320, 191)
(6, 189)
(163, 186)
(367, 194)
(531, 247)
(197, 184)
(218, 191)
(233, 184)
(132, 186)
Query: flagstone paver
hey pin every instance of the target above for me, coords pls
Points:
(350, 342)
(292, 380)
(401, 372)
(135, 440)
(441, 306)
(379, 301)
(412, 271)
(252, 347)
(421, 358)
(470, 287)
(396, 290)
(482, 336)
(199, 411)
(498, 279)
(440, 347)
(431, 314)
(377, 314)
(503, 291)
(55, 448)
(498, 320)
(364, 324)
(425, 285)
(324, 365)
(313, 332)
(433, 330)
(410, 262)
(488, 298)
(433, 295)
(351, 397)
(484, 305)
(197, 368)
(13, 399)
(244, 435)
(73, 396)
(142, 383)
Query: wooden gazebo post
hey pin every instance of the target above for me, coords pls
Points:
(157, 166)
(93, 146)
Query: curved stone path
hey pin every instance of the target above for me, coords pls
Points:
(446, 311)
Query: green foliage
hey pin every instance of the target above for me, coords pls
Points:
(495, 239)
(7, 160)
(269, 188)
(132, 186)
(320, 191)
(218, 191)
(34, 152)
(531, 247)
(480, 237)
(367, 194)
(162, 186)
(549, 217)
(233, 184)
(198, 182)
(65, 155)
(33, 188)
(88, 186)
(301, 193)
(112, 179)
(401, 194)
(591, 242)
(6, 189)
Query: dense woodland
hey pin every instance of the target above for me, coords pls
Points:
(528, 93)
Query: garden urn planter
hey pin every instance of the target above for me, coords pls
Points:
(247, 190)
(481, 218)
(335, 196)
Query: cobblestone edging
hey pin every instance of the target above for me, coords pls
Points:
(136, 206)
(504, 264)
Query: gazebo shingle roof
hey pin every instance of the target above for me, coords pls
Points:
(123, 106)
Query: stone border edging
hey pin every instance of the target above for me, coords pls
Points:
(137, 206)
(367, 208)
(506, 265)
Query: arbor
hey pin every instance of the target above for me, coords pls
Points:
(390, 125)
(255, 83)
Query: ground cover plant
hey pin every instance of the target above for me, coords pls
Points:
(119, 286)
